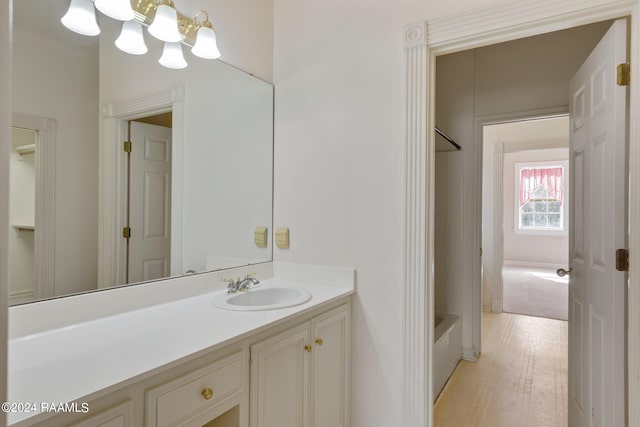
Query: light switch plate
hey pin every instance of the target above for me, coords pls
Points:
(260, 237)
(282, 237)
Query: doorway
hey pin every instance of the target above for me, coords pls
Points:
(526, 175)
(498, 23)
(148, 198)
(492, 88)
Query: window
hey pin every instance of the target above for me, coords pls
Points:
(540, 201)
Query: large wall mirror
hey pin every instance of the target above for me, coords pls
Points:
(191, 193)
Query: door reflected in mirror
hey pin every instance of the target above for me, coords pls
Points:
(189, 199)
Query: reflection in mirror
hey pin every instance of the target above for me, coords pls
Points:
(22, 196)
(195, 187)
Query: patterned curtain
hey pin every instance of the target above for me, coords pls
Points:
(549, 178)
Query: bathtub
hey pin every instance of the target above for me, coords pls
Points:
(447, 349)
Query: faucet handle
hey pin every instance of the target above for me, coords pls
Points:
(250, 274)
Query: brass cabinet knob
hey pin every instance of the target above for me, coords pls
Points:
(207, 393)
(308, 348)
(319, 341)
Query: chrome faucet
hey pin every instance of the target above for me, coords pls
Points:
(240, 285)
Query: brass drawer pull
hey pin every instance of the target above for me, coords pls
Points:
(207, 393)
(319, 341)
(308, 348)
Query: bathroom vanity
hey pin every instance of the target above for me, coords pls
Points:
(186, 361)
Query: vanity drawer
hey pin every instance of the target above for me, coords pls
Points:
(189, 396)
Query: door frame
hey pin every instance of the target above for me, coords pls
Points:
(45, 215)
(113, 180)
(424, 41)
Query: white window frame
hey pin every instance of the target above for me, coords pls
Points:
(565, 199)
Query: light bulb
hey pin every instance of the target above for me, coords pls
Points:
(131, 39)
(81, 18)
(165, 24)
(205, 45)
(116, 9)
(172, 56)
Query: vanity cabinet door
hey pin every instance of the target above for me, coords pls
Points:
(279, 380)
(300, 378)
(330, 337)
(118, 416)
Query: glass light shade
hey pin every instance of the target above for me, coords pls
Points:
(172, 56)
(165, 24)
(131, 39)
(81, 18)
(116, 9)
(205, 45)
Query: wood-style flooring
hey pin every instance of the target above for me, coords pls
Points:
(520, 379)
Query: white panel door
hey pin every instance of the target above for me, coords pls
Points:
(597, 228)
(149, 202)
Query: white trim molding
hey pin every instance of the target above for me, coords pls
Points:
(498, 221)
(418, 271)
(5, 138)
(633, 296)
(113, 179)
(45, 216)
(423, 42)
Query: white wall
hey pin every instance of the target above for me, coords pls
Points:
(339, 155)
(339, 167)
(448, 233)
(56, 80)
(527, 248)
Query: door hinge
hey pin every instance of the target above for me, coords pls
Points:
(624, 74)
(127, 146)
(126, 232)
(622, 260)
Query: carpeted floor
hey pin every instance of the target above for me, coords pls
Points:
(535, 292)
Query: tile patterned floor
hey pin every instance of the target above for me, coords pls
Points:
(519, 380)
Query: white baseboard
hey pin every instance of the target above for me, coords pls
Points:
(469, 354)
(19, 296)
(532, 264)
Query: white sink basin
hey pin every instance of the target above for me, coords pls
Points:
(262, 299)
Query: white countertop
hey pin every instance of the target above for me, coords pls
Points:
(77, 361)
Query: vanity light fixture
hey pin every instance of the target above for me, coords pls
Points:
(116, 9)
(131, 39)
(205, 46)
(172, 56)
(81, 18)
(164, 22)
